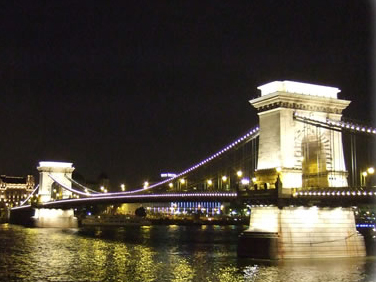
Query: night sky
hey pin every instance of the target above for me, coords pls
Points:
(134, 88)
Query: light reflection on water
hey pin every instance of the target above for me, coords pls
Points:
(155, 253)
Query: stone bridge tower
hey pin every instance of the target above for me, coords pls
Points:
(48, 189)
(302, 155)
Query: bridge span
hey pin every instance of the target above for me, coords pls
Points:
(292, 170)
(148, 198)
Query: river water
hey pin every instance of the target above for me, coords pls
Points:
(155, 253)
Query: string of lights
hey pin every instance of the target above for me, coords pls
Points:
(339, 124)
(173, 196)
(252, 134)
(332, 193)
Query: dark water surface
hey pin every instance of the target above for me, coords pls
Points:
(155, 253)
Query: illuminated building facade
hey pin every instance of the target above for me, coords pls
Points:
(15, 189)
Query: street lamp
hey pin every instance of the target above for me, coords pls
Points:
(182, 183)
(223, 183)
(363, 176)
(369, 171)
(122, 187)
(239, 173)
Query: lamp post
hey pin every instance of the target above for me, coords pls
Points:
(183, 182)
(364, 174)
(369, 171)
(209, 183)
(239, 174)
(224, 182)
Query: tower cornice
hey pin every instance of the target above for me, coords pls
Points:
(298, 101)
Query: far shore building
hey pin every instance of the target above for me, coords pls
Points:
(15, 189)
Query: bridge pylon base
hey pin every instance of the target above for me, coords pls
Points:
(301, 232)
(57, 218)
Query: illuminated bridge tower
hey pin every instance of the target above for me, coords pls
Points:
(50, 190)
(302, 156)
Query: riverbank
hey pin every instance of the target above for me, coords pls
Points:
(122, 220)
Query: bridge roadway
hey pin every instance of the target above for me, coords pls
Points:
(145, 198)
(332, 197)
(324, 197)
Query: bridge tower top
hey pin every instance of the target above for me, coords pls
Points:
(301, 154)
(304, 97)
(58, 170)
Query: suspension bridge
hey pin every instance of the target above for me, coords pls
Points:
(303, 154)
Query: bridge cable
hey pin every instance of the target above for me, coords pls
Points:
(336, 125)
(69, 188)
(35, 189)
(80, 185)
(252, 134)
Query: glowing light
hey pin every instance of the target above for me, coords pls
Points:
(224, 178)
(210, 182)
(299, 88)
(245, 181)
(168, 175)
(278, 169)
(55, 164)
(239, 173)
(170, 185)
(122, 186)
(182, 181)
(371, 170)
